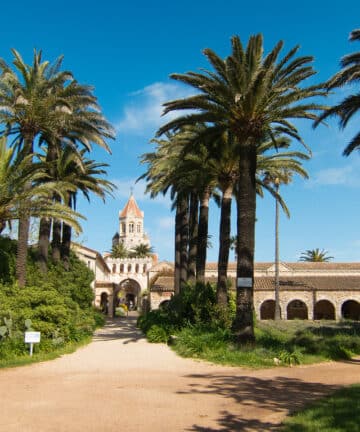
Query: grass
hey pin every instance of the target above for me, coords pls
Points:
(339, 412)
(44, 356)
(292, 342)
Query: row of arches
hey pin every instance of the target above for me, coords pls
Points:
(129, 268)
(323, 309)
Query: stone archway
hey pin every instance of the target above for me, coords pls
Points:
(104, 302)
(297, 309)
(324, 310)
(128, 291)
(267, 310)
(351, 310)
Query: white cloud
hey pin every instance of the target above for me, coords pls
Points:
(343, 176)
(145, 109)
(166, 222)
(125, 186)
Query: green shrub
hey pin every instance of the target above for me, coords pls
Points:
(157, 334)
(58, 303)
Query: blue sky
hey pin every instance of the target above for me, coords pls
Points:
(127, 51)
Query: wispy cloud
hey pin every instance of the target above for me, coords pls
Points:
(125, 186)
(144, 111)
(343, 176)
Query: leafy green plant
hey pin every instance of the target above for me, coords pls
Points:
(157, 334)
(290, 358)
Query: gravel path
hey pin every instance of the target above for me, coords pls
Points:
(120, 382)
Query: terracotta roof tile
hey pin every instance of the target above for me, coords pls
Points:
(131, 209)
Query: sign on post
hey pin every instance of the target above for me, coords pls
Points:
(244, 282)
(32, 337)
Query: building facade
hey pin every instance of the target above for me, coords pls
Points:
(307, 290)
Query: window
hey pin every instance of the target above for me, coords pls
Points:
(114, 268)
(137, 268)
(138, 228)
(123, 228)
(131, 227)
(121, 268)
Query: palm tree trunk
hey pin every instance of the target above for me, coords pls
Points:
(24, 226)
(193, 235)
(277, 259)
(224, 246)
(202, 236)
(243, 325)
(45, 223)
(44, 238)
(177, 247)
(56, 237)
(65, 245)
(184, 241)
(66, 240)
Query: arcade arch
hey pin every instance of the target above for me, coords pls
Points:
(297, 309)
(324, 310)
(128, 291)
(267, 310)
(350, 309)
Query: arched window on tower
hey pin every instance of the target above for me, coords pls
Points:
(131, 227)
(123, 228)
(138, 228)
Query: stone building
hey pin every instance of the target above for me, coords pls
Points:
(307, 290)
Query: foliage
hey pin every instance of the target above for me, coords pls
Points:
(157, 334)
(57, 304)
(119, 251)
(339, 412)
(141, 251)
(315, 255)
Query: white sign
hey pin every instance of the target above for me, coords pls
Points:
(32, 337)
(244, 282)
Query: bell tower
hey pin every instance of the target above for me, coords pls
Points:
(131, 225)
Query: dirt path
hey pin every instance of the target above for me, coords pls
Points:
(121, 383)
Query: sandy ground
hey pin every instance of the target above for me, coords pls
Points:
(120, 382)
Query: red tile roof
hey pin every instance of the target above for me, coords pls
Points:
(131, 209)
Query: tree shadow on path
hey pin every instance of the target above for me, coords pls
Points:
(254, 397)
(121, 328)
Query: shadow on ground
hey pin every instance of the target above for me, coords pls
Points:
(277, 395)
(121, 328)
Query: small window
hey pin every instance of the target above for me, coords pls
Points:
(137, 268)
(129, 268)
(121, 268)
(138, 228)
(114, 268)
(131, 227)
(144, 268)
(123, 228)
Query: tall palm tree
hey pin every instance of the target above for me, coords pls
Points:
(282, 176)
(254, 97)
(15, 173)
(315, 255)
(350, 106)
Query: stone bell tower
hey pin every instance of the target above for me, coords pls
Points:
(131, 225)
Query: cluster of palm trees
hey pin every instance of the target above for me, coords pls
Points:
(231, 140)
(141, 250)
(48, 122)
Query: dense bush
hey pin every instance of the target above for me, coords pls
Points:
(58, 303)
(195, 305)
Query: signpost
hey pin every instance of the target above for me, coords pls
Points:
(32, 337)
(244, 282)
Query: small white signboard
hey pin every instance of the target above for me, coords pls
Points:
(244, 282)
(32, 337)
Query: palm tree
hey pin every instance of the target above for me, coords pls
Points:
(254, 97)
(119, 251)
(142, 250)
(40, 101)
(15, 198)
(349, 74)
(315, 255)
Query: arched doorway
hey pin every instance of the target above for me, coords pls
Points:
(267, 310)
(104, 303)
(297, 309)
(324, 310)
(351, 310)
(128, 292)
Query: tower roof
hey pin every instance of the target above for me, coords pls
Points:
(131, 209)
